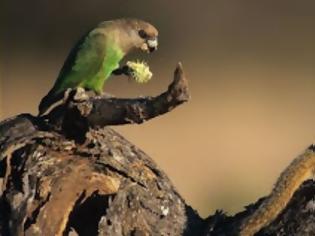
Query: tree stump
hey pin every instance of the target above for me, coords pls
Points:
(68, 173)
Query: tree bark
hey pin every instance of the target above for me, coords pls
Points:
(68, 173)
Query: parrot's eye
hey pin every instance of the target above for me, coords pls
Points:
(143, 34)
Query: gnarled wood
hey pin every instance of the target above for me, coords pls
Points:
(93, 181)
(70, 174)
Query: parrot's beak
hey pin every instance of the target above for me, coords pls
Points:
(152, 44)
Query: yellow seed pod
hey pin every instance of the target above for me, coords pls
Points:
(140, 71)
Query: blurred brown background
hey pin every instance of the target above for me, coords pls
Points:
(250, 66)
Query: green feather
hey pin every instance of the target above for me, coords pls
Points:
(96, 58)
(113, 54)
(89, 65)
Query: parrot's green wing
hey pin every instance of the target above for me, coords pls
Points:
(88, 65)
(83, 63)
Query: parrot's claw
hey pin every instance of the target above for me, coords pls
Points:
(80, 95)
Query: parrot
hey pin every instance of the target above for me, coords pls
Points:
(96, 56)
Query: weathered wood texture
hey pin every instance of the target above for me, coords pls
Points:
(70, 174)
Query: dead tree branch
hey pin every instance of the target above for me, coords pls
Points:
(69, 174)
(79, 114)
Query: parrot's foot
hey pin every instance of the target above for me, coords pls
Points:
(125, 70)
(79, 94)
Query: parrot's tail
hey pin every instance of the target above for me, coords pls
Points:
(51, 98)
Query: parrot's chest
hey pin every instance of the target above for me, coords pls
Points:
(109, 63)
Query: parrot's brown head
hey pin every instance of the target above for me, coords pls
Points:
(139, 34)
(148, 33)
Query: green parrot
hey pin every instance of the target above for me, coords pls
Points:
(97, 55)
